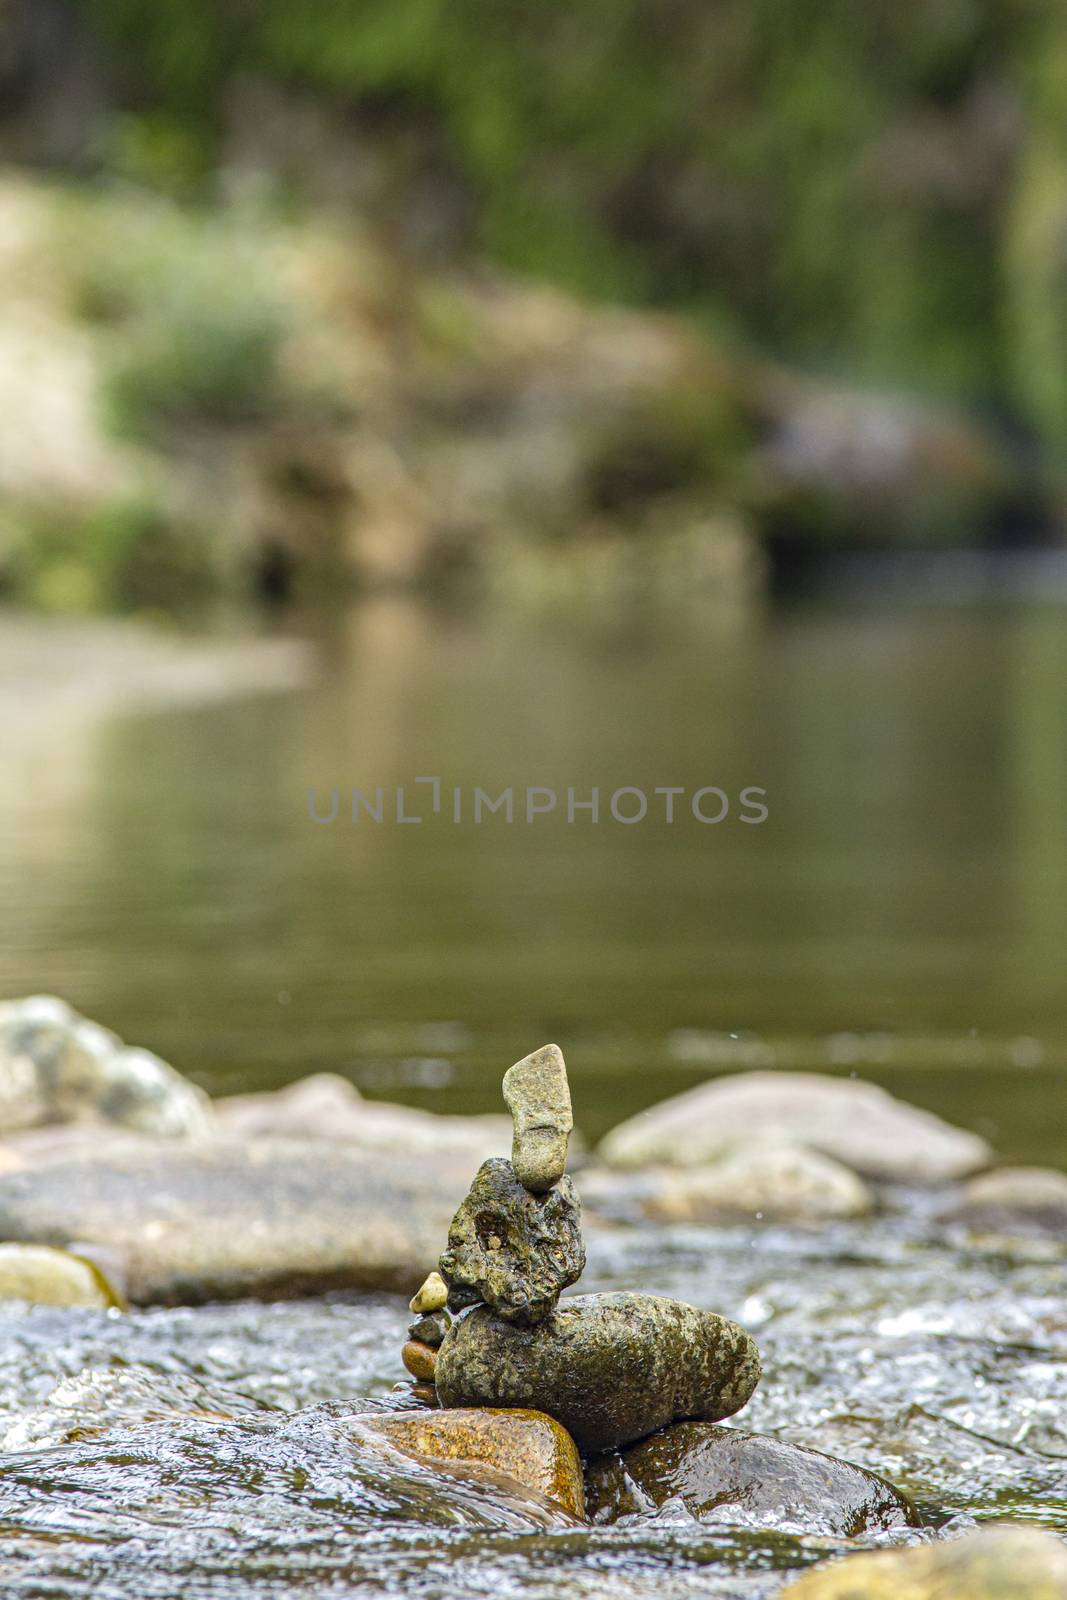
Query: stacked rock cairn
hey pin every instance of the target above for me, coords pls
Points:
(610, 1367)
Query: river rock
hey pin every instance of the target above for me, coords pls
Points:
(432, 1296)
(855, 1123)
(1000, 1563)
(224, 1219)
(727, 1475)
(774, 1182)
(56, 1066)
(1013, 1200)
(420, 1360)
(326, 1106)
(430, 1329)
(538, 1096)
(513, 1250)
(526, 1446)
(610, 1367)
(48, 1277)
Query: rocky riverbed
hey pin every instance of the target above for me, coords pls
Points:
(217, 1447)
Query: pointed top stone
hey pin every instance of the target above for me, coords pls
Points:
(538, 1096)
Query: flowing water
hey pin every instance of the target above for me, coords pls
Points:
(901, 914)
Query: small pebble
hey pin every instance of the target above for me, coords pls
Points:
(426, 1393)
(420, 1360)
(430, 1330)
(433, 1296)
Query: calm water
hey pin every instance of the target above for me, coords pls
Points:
(161, 871)
(901, 914)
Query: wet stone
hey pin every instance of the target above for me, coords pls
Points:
(513, 1250)
(610, 1367)
(726, 1475)
(1005, 1563)
(529, 1448)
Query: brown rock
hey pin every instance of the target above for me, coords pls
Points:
(419, 1359)
(526, 1446)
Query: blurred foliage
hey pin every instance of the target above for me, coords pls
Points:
(123, 555)
(831, 178)
(197, 320)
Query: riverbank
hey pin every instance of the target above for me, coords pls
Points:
(223, 398)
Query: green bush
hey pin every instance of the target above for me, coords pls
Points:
(196, 322)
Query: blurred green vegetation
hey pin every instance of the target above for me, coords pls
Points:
(198, 322)
(872, 188)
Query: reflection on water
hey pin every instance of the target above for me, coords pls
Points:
(159, 869)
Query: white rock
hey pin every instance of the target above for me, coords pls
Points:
(771, 1181)
(855, 1123)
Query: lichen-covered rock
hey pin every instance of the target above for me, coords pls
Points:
(220, 1219)
(526, 1446)
(58, 1067)
(610, 1367)
(855, 1123)
(773, 1181)
(725, 1475)
(48, 1277)
(538, 1096)
(1000, 1563)
(513, 1250)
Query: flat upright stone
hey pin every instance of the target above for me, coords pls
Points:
(538, 1096)
(725, 1475)
(610, 1367)
(527, 1446)
(513, 1250)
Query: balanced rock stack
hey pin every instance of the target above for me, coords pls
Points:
(611, 1368)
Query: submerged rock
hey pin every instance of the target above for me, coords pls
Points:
(1000, 1563)
(1013, 1200)
(727, 1475)
(611, 1368)
(526, 1446)
(772, 1181)
(855, 1123)
(221, 1219)
(538, 1096)
(513, 1250)
(48, 1277)
(56, 1066)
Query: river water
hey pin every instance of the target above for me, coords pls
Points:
(900, 914)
